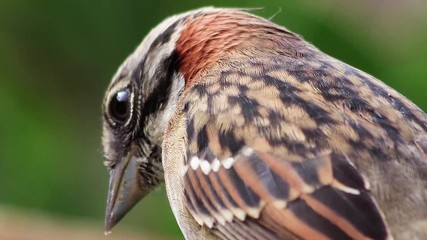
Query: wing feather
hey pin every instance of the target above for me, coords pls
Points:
(261, 195)
(281, 144)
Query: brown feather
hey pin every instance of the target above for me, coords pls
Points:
(334, 149)
(207, 37)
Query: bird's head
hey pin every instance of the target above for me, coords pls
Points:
(144, 93)
(137, 107)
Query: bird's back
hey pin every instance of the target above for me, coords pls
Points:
(300, 109)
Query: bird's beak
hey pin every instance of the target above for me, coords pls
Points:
(124, 190)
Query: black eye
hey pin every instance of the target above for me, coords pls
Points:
(120, 106)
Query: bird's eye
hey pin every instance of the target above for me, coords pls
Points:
(120, 106)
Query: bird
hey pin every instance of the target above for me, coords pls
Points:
(258, 134)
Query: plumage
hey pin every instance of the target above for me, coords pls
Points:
(259, 135)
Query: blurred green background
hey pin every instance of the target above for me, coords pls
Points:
(57, 57)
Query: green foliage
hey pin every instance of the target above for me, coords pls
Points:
(57, 57)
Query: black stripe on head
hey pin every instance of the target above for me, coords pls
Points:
(160, 40)
(158, 97)
(164, 37)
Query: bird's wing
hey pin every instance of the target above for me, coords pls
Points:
(259, 195)
(272, 150)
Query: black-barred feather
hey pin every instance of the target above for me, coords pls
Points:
(250, 180)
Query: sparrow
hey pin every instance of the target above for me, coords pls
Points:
(257, 134)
